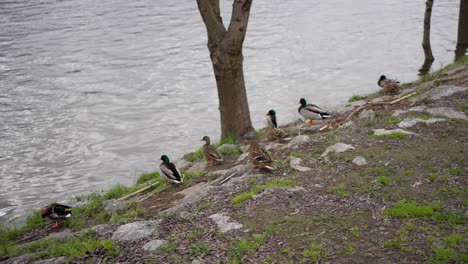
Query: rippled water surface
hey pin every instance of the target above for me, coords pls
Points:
(93, 92)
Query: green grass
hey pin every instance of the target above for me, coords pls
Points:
(230, 139)
(456, 171)
(355, 98)
(168, 247)
(391, 135)
(447, 255)
(339, 190)
(246, 246)
(194, 156)
(453, 239)
(404, 209)
(355, 231)
(313, 254)
(464, 107)
(147, 177)
(76, 247)
(392, 120)
(199, 250)
(296, 154)
(241, 198)
(384, 180)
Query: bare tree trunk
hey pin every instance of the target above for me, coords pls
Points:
(225, 48)
(462, 39)
(427, 31)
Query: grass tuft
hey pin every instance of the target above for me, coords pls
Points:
(241, 198)
(391, 135)
(355, 98)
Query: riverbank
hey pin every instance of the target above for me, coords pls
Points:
(389, 184)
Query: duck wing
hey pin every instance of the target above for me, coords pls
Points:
(316, 109)
(171, 172)
(213, 153)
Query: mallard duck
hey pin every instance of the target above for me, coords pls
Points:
(311, 112)
(260, 157)
(273, 131)
(170, 171)
(390, 87)
(56, 212)
(209, 152)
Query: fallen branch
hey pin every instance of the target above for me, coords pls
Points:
(137, 192)
(403, 98)
(354, 112)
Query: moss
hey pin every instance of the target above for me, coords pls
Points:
(392, 120)
(355, 98)
(404, 209)
(241, 198)
(391, 135)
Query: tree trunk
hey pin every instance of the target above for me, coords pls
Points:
(225, 48)
(427, 31)
(462, 39)
(233, 103)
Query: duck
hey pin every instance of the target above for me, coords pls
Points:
(209, 152)
(311, 112)
(260, 157)
(273, 131)
(390, 87)
(169, 171)
(56, 212)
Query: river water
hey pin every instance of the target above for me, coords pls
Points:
(93, 92)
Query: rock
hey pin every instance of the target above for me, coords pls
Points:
(58, 260)
(100, 230)
(153, 244)
(19, 260)
(183, 164)
(409, 122)
(360, 161)
(197, 261)
(295, 162)
(63, 236)
(273, 147)
(367, 114)
(197, 166)
(112, 205)
(135, 231)
(191, 195)
(442, 111)
(297, 141)
(442, 91)
(399, 112)
(347, 124)
(228, 147)
(242, 157)
(274, 189)
(249, 135)
(338, 148)
(379, 132)
(224, 222)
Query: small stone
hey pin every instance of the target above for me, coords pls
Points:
(21, 259)
(409, 122)
(58, 260)
(338, 148)
(100, 230)
(112, 205)
(367, 114)
(379, 132)
(224, 222)
(135, 231)
(228, 147)
(360, 161)
(295, 162)
(242, 157)
(63, 236)
(153, 245)
(318, 185)
(297, 141)
(250, 135)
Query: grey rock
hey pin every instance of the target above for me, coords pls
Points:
(224, 222)
(360, 161)
(250, 135)
(228, 147)
(196, 166)
(20, 259)
(63, 236)
(399, 112)
(112, 205)
(442, 91)
(379, 132)
(153, 245)
(350, 123)
(102, 230)
(58, 260)
(442, 111)
(294, 189)
(338, 148)
(366, 114)
(197, 261)
(242, 157)
(409, 122)
(191, 195)
(135, 231)
(297, 141)
(295, 163)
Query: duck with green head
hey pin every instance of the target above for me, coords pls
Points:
(311, 112)
(170, 171)
(56, 212)
(210, 153)
(273, 131)
(390, 87)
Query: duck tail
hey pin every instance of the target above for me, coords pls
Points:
(270, 167)
(325, 115)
